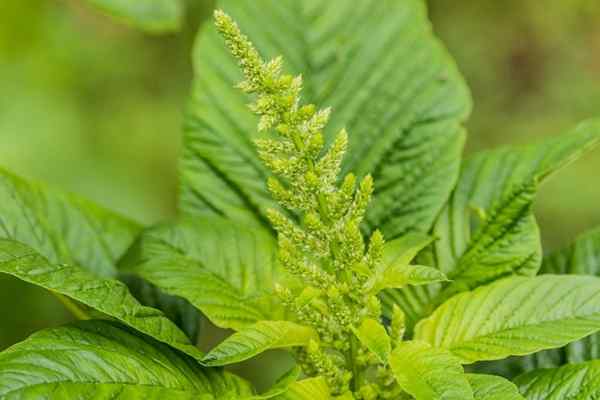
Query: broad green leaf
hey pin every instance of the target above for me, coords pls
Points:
(429, 373)
(225, 269)
(102, 360)
(307, 389)
(152, 16)
(375, 338)
(257, 338)
(376, 63)
(570, 382)
(582, 257)
(490, 387)
(62, 227)
(515, 316)
(472, 249)
(108, 296)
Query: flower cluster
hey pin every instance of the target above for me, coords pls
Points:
(320, 241)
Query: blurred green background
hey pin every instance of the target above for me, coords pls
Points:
(94, 107)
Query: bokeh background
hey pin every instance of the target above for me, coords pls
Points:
(95, 107)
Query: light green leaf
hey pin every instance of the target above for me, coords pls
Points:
(571, 382)
(226, 270)
(401, 251)
(377, 63)
(375, 338)
(62, 227)
(152, 16)
(307, 389)
(515, 316)
(399, 276)
(582, 257)
(429, 373)
(282, 385)
(257, 338)
(108, 296)
(472, 251)
(102, 360)
(490, 387)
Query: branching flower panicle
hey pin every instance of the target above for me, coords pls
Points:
(326, 249)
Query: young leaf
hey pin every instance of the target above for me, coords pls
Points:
(101, 360)
(515, 316)
(223, 268)
(152, 16)
(257, 338)
(401, 251)
(282, 385)
(576, 381)
(490, 387)
(62, 227)
(108, 296)
(404, 107)
(307, 389)
(375, 338)
(399, 276)
(429, 373)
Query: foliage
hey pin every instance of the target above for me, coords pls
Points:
(281, 242)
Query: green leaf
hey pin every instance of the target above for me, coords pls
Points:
(401, 251)
(108, 296)
(282, 385)
(375, 338)
(515, 316)
(102, 360)
(257, 338)
(395, 271)
(490, 387)
(473, 251)
(582, 257)
(500, 182)
(226, 270)
(429, 373)
(391, 83)
(307, 389)
(177, 309)
(151, 16)
(62, 227)
(571, 382)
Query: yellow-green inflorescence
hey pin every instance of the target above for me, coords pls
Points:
(325, 249)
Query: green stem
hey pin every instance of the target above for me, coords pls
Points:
(355, 384)
(70, 305)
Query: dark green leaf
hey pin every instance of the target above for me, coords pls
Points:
(108, 296)
(571, 382)
(224, 269)
(62, 227)
(399, 96)
(503, 239)
(101, 360)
